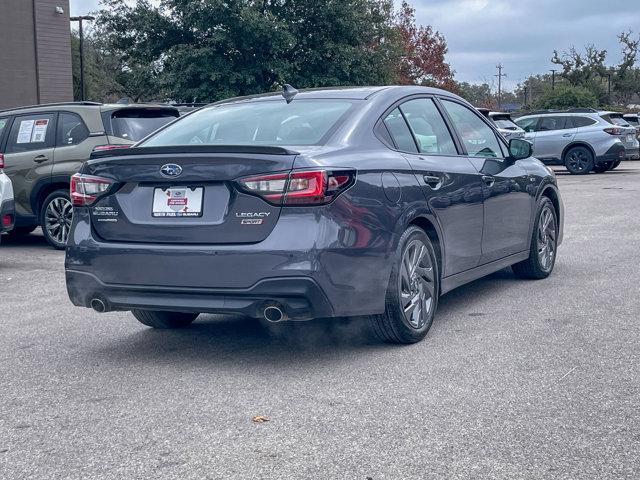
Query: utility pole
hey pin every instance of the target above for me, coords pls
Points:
(524, 104)
(79, 20)
(553, 79)
(500, 75)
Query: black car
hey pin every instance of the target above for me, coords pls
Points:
(321, 203)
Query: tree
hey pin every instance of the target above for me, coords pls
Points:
(423, 53)
(477, 94)
(567, 96)
(204, 50)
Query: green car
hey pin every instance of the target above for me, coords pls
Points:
(44, 145)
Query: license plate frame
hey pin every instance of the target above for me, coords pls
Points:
(177, 202)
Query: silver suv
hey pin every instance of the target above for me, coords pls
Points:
(503, 122)
(581, 139)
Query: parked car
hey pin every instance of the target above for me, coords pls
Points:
(44, 145)
(580, 139)
(325, 203)
(633, 120)
(7, 213)
(506, 126)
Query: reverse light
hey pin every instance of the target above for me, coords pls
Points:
(614, 131)
(305, 187)
(85, 189)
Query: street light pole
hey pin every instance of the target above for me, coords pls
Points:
(553, 79)
(79, 19)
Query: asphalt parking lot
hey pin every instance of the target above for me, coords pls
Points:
(516, 379)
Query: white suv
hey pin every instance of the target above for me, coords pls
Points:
(7, 215)
(581, 139)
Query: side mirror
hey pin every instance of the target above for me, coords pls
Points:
(520, 149)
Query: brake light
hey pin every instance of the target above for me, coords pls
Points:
(7, 221)
(614, 131)
(85, 189)
(306, 187)
(1, 161)
(106, 148)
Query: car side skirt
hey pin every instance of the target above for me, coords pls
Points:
(462, 278)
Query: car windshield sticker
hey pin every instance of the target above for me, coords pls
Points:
(26, 129)
(40, 131)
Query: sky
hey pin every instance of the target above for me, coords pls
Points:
(519, 34)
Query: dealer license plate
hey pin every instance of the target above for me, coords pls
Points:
(177, 202)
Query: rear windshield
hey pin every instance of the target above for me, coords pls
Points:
(505, 123)
(136, 123)
(271, 122)
(616, 120)
(631, 120)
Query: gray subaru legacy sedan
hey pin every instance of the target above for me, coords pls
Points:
(366, 202)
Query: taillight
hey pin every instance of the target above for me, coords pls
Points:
(614, 131)
(7, 220)
(1, 161)
(106, 148)
(85, 189)
(304, 187)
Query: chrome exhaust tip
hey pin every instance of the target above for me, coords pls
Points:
(98, 305)
(273, 314)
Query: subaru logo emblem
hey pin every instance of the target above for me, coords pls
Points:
(171, 170)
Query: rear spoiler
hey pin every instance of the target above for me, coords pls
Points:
(247, 149)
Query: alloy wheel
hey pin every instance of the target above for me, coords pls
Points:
(416, 284)
(578, 161)
(57, 219)
(546, 242)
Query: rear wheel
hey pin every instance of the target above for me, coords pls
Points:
(615, 164)
(164, 320)
(412, 294)
(56, 216)
(544, 242)
(579, 160)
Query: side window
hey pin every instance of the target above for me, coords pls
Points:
(400, 132)
(527, 124)
(551, 123)
(478, 138)
(428, 127)
(71, 129)
(31, 132)
(3, 123)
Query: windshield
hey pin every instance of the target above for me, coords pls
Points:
(271, 122)
(135, 124)
(505, 123)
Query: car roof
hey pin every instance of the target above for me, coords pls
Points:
(347, 93)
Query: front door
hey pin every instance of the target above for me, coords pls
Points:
(508, 200)
(450, 183)
(29, 160)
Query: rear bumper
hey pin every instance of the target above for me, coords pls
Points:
(312, 265)
(616, 152)
(300, 298)
(7, 208)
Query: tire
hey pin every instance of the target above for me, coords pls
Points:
(414, 285)
(544, 244)
(603, 167)
(615, 165)
(20, 231)
(579, 160)
(164, 320)
(56, 215)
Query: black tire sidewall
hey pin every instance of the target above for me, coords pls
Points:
(43, 208)
(544, 201)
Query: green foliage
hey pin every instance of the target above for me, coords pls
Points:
(567, 96)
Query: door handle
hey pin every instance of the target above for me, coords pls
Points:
(41, 158)
(567, 134)
(488, 180)
(433, 181)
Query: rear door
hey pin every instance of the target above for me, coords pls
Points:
(553, 134)
(29, 157)
(450, 183)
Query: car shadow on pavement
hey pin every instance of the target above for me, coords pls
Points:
(232, 339)
(35, 239)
